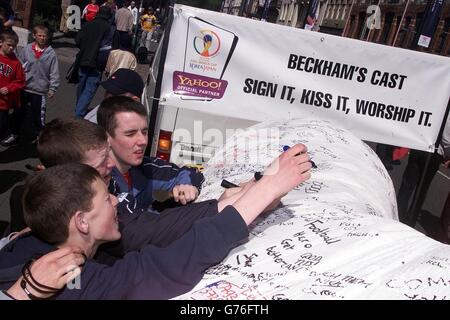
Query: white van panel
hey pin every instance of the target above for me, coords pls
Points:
(196, 135)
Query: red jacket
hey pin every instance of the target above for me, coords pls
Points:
(13, 78)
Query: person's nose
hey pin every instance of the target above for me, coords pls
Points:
(142, 139)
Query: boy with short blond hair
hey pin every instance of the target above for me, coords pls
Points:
(12, 78)
(148, 22)
(41, 67)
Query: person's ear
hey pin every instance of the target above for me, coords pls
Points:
(81, 222)
(109, 139)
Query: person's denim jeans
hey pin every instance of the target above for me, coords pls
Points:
(89, 80)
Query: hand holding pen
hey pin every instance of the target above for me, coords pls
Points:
(258, 175)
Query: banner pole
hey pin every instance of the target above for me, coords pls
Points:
(370, 29)
(400, 24)
(157, 93)
(414, 44)
(348, 19)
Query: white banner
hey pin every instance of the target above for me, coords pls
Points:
(243, 68)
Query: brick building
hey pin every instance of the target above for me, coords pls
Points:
(349, 17)
(23, 10)
(404, 35)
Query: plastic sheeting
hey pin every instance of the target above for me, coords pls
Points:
(336, 236)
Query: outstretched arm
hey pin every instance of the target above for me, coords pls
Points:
(162, 273)
(285, 173)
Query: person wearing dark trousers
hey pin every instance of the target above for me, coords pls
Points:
(415, 169)
(384, 152)
(90, 41)
(12, 79)
(37, 105)
(124, 22)
(41, 68)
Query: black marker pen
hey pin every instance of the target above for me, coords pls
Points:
(227, 184)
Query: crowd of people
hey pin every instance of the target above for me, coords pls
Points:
(31, 75)
(106, 44)
(89, 213)
(92, 203)
(28, 80)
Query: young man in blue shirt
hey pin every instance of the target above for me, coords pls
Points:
(126, 124)
(80, 141)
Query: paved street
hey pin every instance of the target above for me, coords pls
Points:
(14, 159)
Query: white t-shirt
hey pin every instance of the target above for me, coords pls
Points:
(134, 11)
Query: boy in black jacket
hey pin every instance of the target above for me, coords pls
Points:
(83, 214)
(95, 41)
(80, 141)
